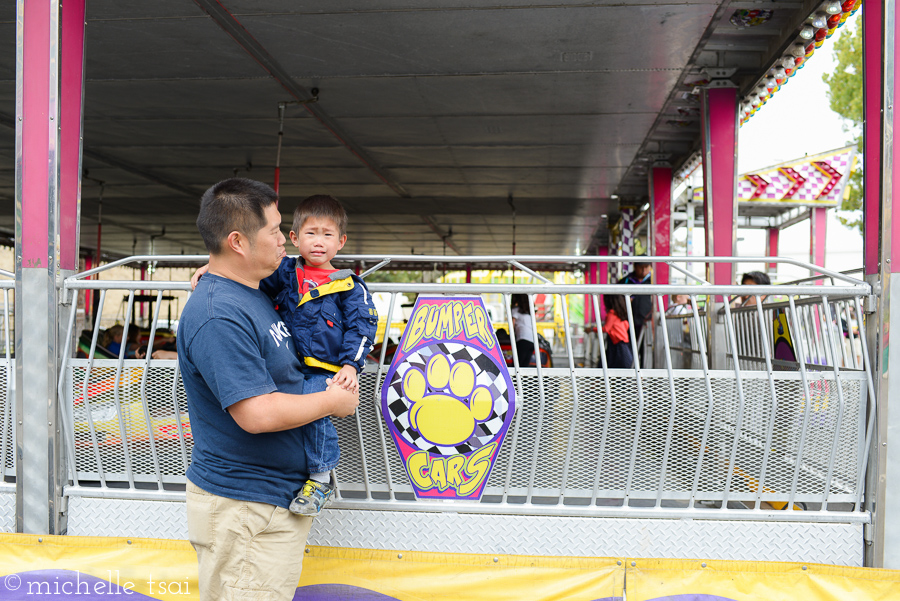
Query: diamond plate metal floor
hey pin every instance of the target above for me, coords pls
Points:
(836, 544)
(7, 512)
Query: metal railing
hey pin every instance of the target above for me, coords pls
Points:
(7, 400)
(666, 440)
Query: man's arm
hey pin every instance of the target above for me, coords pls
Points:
(277, 411)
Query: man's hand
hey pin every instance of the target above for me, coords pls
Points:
(344, 402)
(346, 378)
(197, 275)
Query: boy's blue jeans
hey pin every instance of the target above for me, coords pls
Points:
(320, 439)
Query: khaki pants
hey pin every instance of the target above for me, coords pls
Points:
(246, 550)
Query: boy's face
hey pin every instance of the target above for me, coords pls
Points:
(318, 241)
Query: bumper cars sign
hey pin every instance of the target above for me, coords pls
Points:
(448, 399)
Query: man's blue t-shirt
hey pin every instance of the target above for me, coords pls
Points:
(232, 345)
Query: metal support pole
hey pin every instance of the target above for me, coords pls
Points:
(659, 237)
(772, 250)
(38, 477)
(719, 137)
(817, 228)
(873, 96)
(886, 547)
(71, 105)
(661, 220)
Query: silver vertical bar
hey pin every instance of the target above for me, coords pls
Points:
(862, 462)
(840, 334)
(607, 414)
(640, 392)
(123, 432)
(541, 406)
(738, 428)
(520, 402)
(850, 336)
(671, 425)
(179, 425)
(7, 424)
(570, 355)
(377, 402)
(770, 428)
(65, 404)
(840, 393)
(85, 401)
(807, 408)
(704, 364)
(143, 392)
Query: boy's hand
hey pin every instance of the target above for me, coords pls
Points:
(197, 274)
(346, 378)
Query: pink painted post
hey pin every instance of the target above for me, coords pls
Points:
(817, 226)
(772, 248)
(468, 273)
(873, 91)
(718, 108)
(661, 221)
(590, 278)
(71, 95)
(603, 277)
(35, 150)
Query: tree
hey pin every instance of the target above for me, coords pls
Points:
(845, 98)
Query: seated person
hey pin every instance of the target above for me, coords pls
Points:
(752, 278)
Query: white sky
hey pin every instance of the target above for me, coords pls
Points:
(795, 122)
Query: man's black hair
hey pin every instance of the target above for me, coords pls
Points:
(233, 205)
(757, 277)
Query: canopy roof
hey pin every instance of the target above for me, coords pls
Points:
(443, 126)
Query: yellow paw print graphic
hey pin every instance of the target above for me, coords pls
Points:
(446, 401)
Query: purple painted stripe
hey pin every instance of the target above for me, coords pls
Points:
(35, 133)
(346, 592)
(71, 84)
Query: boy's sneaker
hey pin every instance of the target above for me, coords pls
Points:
(312, 498)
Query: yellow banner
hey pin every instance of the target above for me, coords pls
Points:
(109, 569)
(416, 576)
(689, 580)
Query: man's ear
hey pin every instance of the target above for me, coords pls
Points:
(236, 242)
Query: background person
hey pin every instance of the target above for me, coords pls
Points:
(618, 348)
(752, 278)
(523, 328)
(243, 383)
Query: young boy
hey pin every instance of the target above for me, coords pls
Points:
(332, 321)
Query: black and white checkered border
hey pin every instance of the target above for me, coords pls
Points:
(487, 373)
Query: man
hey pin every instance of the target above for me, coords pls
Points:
(244, 388)
(641, 305)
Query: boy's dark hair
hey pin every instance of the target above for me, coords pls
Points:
(642, 264)
(757, 277)
(320, 205)
(616, 302)
(233, 205)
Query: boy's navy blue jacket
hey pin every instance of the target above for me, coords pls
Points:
(332, 325)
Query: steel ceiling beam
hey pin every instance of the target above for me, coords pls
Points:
(10, 122)
(234, 28)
